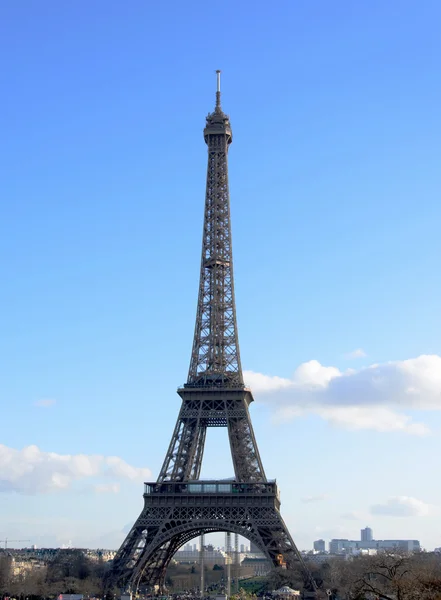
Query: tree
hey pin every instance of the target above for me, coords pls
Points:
(5, 571)
(428, 574)
(392, 576)
(279, 577)
(243, 595)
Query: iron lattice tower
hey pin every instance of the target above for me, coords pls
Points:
(178, 506)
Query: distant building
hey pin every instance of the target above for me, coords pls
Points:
(286, 592)
(21, 565)
(49, 554)
(320, 546)
(97, 555)
(211, 556)
(367, 542)
(255, 567)
(364, 552)
(367, 534)
(343, 546)
(317, 557)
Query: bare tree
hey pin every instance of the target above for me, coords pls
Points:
(5, 571)
(391, 576)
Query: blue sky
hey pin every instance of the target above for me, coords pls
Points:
(335, 188)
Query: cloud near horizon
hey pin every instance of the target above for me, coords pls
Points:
(373, 397)
(401, 506)
(32, 471)
(312, 499)
(353, 515)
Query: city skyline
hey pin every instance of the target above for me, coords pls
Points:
(217, 542)
(334, 191)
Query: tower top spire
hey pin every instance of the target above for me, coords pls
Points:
(215, 360)
(218, 91)
(217, 121)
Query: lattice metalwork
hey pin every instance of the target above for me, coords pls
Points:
(215, 358)
(203, 408)
(178, 507)
(173, 515)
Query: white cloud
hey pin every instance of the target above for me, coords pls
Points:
(311, 499)
(401, 506)
(31, 471)
(374, 397)
(45, 402)
(358, 353)
(352, 515)
(378, 418)
(313, 375)
(107, 488)
(265, 383)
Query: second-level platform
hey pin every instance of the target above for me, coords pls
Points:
(212, 492)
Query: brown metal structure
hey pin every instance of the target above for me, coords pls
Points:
(179, 507)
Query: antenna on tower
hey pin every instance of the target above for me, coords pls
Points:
(218, 92)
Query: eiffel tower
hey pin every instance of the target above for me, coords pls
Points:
(179, 506)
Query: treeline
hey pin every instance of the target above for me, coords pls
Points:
(70, 572)
(385, 576)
